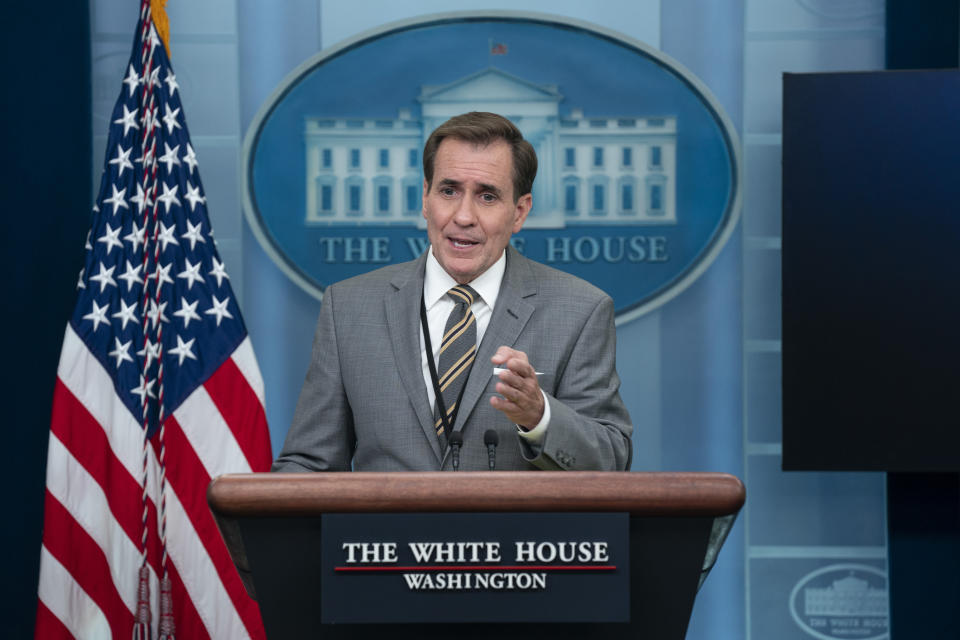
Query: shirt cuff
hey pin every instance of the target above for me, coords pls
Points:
(536, 435)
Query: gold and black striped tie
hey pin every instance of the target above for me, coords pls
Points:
(458, 349)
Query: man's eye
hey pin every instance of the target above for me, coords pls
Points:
(488, 197)
(447, 191)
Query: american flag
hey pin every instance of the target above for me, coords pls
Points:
(156, 347)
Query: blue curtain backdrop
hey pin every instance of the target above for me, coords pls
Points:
(702, 371)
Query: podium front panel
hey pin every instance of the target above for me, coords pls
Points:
(274, 527)
(665, 557)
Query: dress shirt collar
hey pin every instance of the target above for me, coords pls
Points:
(436, 281)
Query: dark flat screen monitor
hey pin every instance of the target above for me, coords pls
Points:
(871, 271)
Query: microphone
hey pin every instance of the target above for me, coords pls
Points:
(456, 441)
(491, 439)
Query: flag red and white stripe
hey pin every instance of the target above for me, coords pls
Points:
(208, 396)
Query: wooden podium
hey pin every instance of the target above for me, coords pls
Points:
(272, 525)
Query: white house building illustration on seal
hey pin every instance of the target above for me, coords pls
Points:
(593, 169)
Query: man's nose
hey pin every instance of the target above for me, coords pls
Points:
(465, 214)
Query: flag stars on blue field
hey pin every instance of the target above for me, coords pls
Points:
(169, 156)
(171, 81)
(187, 311)
(111, 237)
(132, 81)
(127, 314)
(170, 118)
(122, 159)
(147, 157)
(169, 197)
(117, 199)
(162, 275)
(219, 309)
(193, 196)
(132, 275)
(155, 314)
(98, 315)
(149, 122)
(165, 237)
(144, 389)
(153, 253)
(191, 273)
(142, 200)
(190, 159)
(153, 39)
(218, 272)
(154, 77)
(193, 233)
(128, 120)
(183, 349)
(150, 352)
(135, 237)
(105, 277)
(120, 351)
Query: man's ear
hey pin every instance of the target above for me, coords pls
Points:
(423, 199)
(522, 209)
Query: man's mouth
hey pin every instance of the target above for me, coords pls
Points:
(462, 243)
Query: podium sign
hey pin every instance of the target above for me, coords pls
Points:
(475, 567)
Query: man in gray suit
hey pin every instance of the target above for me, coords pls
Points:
(468, 338)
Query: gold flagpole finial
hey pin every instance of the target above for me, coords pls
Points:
(161, 22)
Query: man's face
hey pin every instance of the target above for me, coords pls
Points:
(470, 209)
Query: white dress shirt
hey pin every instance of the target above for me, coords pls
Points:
(436, 283)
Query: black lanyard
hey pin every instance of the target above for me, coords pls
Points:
(447, 422)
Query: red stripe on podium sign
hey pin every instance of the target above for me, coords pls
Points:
(546, 567)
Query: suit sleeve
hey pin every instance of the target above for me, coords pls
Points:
(321, 437)
(589, 425)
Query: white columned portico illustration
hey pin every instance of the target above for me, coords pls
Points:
(593, 169)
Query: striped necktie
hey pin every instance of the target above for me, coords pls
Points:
(458, 349)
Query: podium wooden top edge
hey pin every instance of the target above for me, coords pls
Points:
(638, 493)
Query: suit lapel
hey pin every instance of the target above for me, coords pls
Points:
(514, 307)
(403, 320)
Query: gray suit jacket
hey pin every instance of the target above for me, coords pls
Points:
(364, 400)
